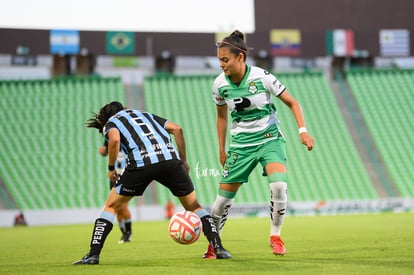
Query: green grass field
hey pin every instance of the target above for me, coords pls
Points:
(345, 244)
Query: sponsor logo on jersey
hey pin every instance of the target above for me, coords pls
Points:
(268, 135)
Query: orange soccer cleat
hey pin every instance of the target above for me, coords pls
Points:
(209, 254)
(278, 247)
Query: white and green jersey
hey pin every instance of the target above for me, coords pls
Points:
(253, 114)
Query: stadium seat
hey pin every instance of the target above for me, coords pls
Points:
(385, 99)
(50, 159)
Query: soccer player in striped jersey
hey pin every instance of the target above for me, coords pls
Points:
(246, 92)
(123, 216)
(151, 156)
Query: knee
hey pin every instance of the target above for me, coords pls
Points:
(115, 206)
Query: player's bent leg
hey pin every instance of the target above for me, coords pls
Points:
(220, 211)
(190, 203)
(221, 207)
(219, 214)
(103, 226)
(115, 202)
(119, 204)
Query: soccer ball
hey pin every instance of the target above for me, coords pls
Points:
(185, 227)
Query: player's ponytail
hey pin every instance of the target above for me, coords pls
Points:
(235, 41)
(238, 34)
(94, 123)
(104, 115)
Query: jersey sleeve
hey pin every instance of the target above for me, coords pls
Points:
(272, 84)
(160, 120)
(217, 98)
(108, 126)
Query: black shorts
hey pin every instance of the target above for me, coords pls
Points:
(112, 184)
(171, 173)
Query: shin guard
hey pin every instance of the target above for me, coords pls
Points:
(278, 205)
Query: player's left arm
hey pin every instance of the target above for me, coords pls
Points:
(297, 112)
(114, 143)
(103, 150)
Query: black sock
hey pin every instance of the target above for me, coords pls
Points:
(211, 232)
(122, 230)
(128, 227)
(101, 230)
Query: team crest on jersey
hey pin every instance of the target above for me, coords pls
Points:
(253, 88)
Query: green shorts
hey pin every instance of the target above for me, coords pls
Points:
(241, 161)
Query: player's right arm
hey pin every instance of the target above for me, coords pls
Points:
(114, 143)
(221, 108)
(222, 130)
(178, 134)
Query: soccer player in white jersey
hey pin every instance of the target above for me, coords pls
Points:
(246, 92)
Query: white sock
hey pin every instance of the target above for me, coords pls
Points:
(220, 211)
(278, 204)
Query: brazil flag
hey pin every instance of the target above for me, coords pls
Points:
(120, 42)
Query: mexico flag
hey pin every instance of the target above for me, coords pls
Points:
(340, 42)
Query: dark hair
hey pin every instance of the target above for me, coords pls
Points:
(235, 41)
(104, 114)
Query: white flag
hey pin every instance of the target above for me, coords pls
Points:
(394, 42)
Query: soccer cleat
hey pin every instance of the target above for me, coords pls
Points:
(88, 259)
(126, 237)
(222, 253)
(278, 247)
(209, 254)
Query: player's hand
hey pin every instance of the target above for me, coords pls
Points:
(113, 176)
(307, 140)
(223, 157)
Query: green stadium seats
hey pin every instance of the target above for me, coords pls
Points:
(385, 99)
(49, 159)
(333, 170)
